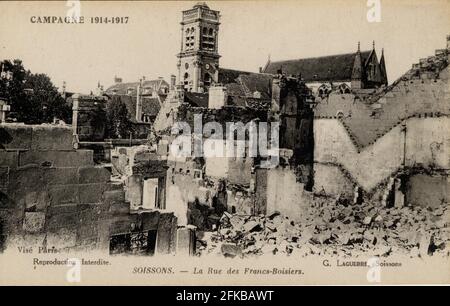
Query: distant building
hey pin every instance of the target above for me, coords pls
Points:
(147, 88)
(359, 70)
(143, 99)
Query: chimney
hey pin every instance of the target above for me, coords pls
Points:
(260, 70)
(448, 48)
(138, 102)
(117, 80)
(63, 90)
(99, 90)
(173, 80)
(217, 97)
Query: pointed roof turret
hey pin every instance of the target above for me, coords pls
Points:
(383, 69)
(357, 65)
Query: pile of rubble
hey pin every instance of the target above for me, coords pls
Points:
(330, 228)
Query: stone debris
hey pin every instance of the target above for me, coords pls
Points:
(333, 228)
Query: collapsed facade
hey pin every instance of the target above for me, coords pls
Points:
(55, 196)
(345, 138)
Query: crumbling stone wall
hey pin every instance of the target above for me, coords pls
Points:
(370, 141)
(425, 145)
(236, 170)
(367, 118)
(330, 179)
(428, 190)
(89, 117)
(55, 196)
(387, 141)
(285, 194)
(190, 199)
(368, 167)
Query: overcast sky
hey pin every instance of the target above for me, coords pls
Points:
(147, 46)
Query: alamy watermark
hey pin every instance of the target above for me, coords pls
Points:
(239, 140)
(374, 12)
(374, 273)
(73, 274)
(74, 10)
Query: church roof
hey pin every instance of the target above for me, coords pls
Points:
(326, 68)
(122, 88)
(229, 75)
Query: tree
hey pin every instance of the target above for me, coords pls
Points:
(33, 97)
(118, 123)
(45, 99)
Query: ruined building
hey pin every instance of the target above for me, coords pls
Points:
(344, 135)
(198, 60)
(200, 189)
(316, 160)
(143, 99)
(55, 196)
(346, 72)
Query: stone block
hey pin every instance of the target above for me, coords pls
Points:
(114, 196)
(63, 220)
(87, 233)
(93, 175)
(186, 241)
(114, 186)
(63, 194)
(31, 240)
(62, 209)
(119, 208)
(34, 222)
(36, 200)
(427, 190)
(63, 238)
(15, 137)
(57, 158)
(122, 224)
(5, 203)
(61, 176)
(91, 193)
(150, 220)
(51, 138)
(9, 159)
(27, 177)
(166, 233)
(103, 227)
(89, 213)
(4, 177)
(134, 190)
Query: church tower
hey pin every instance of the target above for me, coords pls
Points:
(198, 60)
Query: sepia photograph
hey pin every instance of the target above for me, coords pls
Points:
(225, 143)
